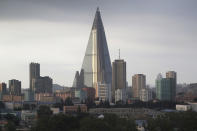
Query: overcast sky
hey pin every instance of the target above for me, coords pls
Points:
(154, 36)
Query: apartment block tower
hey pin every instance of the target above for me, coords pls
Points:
(138, 83)
(15, 87)
(119, 81)
(3, 88)
(166, 87)
(39, 84)
(34, 73)
(173, 76)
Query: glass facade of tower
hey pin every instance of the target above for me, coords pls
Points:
(96, 65)
(165, 89)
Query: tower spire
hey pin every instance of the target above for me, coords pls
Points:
(97, 9)
(96, 63)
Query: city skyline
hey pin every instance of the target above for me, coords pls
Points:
(150, 42)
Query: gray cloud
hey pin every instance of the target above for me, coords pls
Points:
(153, 35)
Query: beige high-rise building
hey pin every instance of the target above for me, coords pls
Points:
(118, 76)
(3, 87)
(138, 83)
(171, 74)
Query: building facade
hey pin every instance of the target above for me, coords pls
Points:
(81, 94)
(120, 95)
(138, 83)
(15, 87)
(96, 67)
(91, 92)
(145, 94)
(118, 76)
(172, 75)
(3, 88)
(103, 92)
(165, 88)
(28, 95)
(42, 84)
(34, 73)
(76, 108)
(63, 95)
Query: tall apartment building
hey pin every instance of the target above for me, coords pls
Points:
(3, 88)
(138, 83)
(34, 73)
(118, 77)
(103, 92)
(172, 75)
(42, 84)
(15, 87)
(39, 84)
(166, 87)
(145, 94)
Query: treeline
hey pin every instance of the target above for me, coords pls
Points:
(105, 104)
(174, 121)
(80, 122)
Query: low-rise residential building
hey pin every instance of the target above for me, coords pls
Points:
(28, 117)
(103, 91)
(81, 95)
(12, 98)
(12, 105)
(75, 108)
(184, 107)
(136, 113)
(55, 110)
(63, 94)
(46, 97)
(145, 94)
(90, 92)
(120, 95)
(185, 97)
(193, 106)
(28, 95)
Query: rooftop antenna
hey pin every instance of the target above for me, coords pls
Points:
(97, 5)
(119, 53)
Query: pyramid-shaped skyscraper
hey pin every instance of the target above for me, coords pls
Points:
(96, 67)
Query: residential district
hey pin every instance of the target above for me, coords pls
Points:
(99, 89)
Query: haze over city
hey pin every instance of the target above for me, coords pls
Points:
(153, 36)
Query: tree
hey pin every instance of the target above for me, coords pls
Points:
(44, 111)
(93, 124)
(10, 126)
(12, 118)
(90, 102)
(2, 105)
(33, 106)
(68, 102)
(44, 114)
(78, 109)
(58, 105)
(181, 121)
(58, 122)
(26, 107)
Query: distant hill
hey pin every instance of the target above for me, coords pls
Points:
(59, 87)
